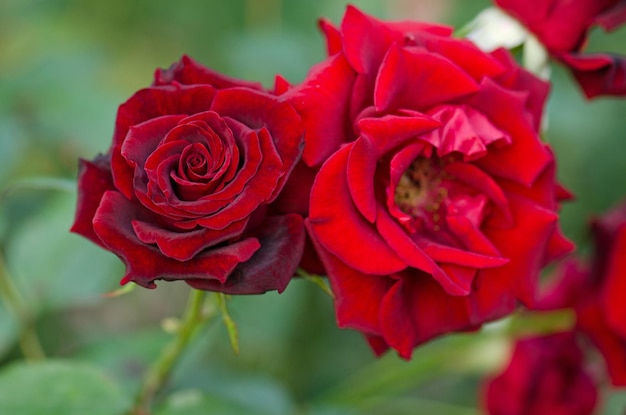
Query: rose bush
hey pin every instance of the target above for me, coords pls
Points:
(562, 26)
(545, 376)
(595, 291)
(184, 192)
(435, 206)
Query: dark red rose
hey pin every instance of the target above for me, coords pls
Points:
(545, 376)
(596, 292)
(563, 26)
(437, 207)
(183, 192)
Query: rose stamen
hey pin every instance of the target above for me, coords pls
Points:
(420, 193)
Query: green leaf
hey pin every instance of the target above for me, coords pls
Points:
(8, 330)
(234, 395)
(39, 183)
(58, 388)
(12, 145)
(56, 269)
(317, 280)
(126, 356)
(194, 402)
(614, 402)
(390, 376)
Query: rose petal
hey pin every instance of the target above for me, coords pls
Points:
(559, 24)
(414, 256)
(294, 198)
(188, 212)
(567, 287)
(144, 105)
(357, 295)
(390, 131)
(479, 180)
(592, 322)
(519, 79)
(524, 245)
(322, 101)
(189, 72)
(333, 213)
(144, 138)
(332, 35)
(613, 17)
(258, 190)
(272, 266)
(464, 130)
(94, 179)
(360, 171)
(183, 246)
(526, 157)
(281, 85)
(378, 344)
(417, 79)
(366, 39)
(598, 74)
(416, 309)
(450, 255)
(145, 263)
(257, 110)
(615, 284)
(465, 54)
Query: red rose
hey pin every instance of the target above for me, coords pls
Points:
(440, 210)
(183, 192)
(545, 376)
(596, 292)
(563, 26)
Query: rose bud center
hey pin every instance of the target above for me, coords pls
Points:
(421, 192)
(194, 161)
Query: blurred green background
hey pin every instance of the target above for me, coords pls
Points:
(65, 66)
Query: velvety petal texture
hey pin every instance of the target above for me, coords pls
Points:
(186, 189)
(437, 206)
(545, 375)
(595, 291)
(563, 26)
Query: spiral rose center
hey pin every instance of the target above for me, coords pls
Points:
(196, 163)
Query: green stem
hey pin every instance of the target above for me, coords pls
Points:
(157, 376)
(28, 340)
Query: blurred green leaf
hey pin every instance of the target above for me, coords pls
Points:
(127, 355)
(58, 388)
(194, 402)
(411, 406)
(391, 376)
(321, 282)
(12, 145)
(55, 268)
(614, 403)
(8, 330)
(232, 394)
(329, 410)
(39, 183)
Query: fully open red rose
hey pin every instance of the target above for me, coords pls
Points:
(440, 210)
(183, 192)
(545, 376)
(596, 292)
(563, 26)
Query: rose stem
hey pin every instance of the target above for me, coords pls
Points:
(158, 374)
(15, 303)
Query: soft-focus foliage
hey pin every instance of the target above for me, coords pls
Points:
(65, 66)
